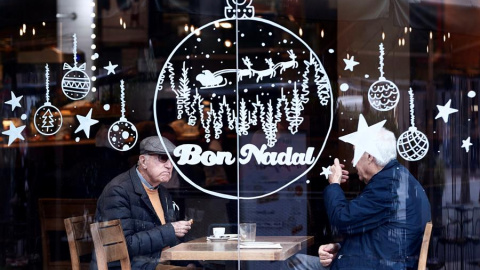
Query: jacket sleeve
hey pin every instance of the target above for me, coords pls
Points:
(366, 212)
(114, 204)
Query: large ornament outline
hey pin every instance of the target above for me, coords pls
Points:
(323, 90)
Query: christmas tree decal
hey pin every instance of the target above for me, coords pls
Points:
(47, 119)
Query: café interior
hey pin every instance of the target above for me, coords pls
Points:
(196, 72)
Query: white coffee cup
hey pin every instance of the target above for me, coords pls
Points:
(218, 231)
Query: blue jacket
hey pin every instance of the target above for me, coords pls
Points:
(125, 198)
(384, 225)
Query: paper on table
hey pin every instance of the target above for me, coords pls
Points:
(259, 245)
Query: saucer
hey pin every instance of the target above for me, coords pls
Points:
(218, 239)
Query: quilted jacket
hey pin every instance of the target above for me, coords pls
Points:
(125, 198)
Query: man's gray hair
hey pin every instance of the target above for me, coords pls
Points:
(387, 147)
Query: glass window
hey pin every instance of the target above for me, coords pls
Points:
(258, 98)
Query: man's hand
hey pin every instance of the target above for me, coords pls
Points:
(327, 253)
(339, 175)
(181, 227)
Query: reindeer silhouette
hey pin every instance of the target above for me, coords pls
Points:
(267, 72)
(288, 64)
(245, 72)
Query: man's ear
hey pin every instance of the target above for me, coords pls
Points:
(143, 161)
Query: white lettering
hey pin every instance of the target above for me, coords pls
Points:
(192, 154)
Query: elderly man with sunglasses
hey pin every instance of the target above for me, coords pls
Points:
(145, 207)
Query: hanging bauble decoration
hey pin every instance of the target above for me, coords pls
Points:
(412, 145)
(75, 83)
(383, 94)
(122, 135)
(47, 119)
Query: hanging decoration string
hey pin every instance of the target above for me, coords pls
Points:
(122, 97)
(47, 76)
(382, 54)
(75, 49)
(412, 106)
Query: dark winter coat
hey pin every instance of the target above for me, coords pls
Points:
(384, 225)
(125, 198)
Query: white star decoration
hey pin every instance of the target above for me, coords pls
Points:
(363, 140)
(85, 123)
(15, 101)
(466, 144)
(326, 171)
(14, 133)
(110, 68)
(350, 63)
(445, 111)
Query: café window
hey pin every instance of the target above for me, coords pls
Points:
(246, 106)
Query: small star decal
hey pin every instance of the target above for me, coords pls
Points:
(85, 123)
(14, 133)
(326, 171)
(350, 63)
(15, 101)
(466, 144)
(445, 111)
(110, 68)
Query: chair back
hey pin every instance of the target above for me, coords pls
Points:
(52, 212)
(79, 238)
(110, 244)
(422, 261)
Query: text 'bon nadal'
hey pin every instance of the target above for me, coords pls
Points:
(192, 154)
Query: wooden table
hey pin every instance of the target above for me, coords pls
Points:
(201, 249)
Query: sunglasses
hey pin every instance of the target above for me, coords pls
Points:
(162, 158)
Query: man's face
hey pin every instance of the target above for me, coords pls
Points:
(362, 168)
(159, 169)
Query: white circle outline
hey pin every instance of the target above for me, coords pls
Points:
(221, 195)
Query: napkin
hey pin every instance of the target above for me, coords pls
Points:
(259, 245)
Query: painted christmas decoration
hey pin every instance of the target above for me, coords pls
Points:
(122, 135)
(75, 83)
(48, 118)
(255, 80)
(412, 145)
(383, 94)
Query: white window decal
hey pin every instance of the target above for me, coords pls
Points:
(383, 94)
(122, 135)
(255, 80)
(412, 144)
(75, 83)
(48, 118)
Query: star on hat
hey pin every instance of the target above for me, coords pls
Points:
(363, 139)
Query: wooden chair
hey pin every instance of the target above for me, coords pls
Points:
(422, 261)
(80, 240)
(110, 244)
(52, 213)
